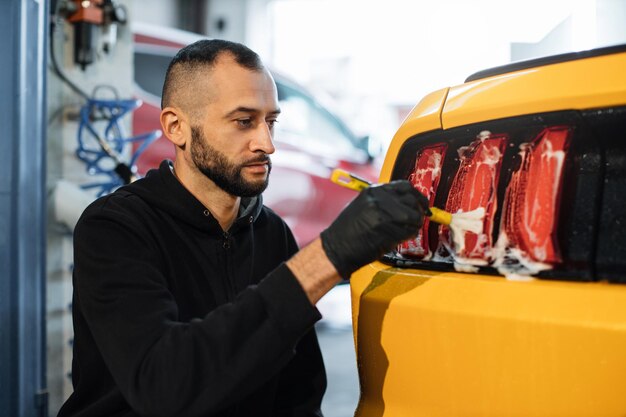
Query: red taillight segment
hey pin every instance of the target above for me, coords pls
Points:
(425, 178)
(474, 186)
(532, 197)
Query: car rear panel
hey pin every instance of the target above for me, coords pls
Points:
(435, 342)
(448, 344)
(585, 84)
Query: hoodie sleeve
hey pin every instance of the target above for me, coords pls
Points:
(164, 367)
(302, 383)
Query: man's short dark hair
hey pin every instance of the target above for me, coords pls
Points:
(203, 54)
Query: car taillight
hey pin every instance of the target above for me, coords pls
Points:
(475, 185)
(425, 178)
(531, 203)
(552, 191)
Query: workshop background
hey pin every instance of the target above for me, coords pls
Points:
(369, 61)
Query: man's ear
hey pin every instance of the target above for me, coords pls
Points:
(174, 126)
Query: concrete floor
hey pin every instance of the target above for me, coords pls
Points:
(342, 394)
(335, 336)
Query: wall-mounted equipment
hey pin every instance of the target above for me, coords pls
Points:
(95, 26)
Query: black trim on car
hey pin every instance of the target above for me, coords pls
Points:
(592, 213)
(538, 62)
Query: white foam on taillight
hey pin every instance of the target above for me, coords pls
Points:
(463, 222)
(425, 178)
(514, 263)
(527, 242)
(473, 190)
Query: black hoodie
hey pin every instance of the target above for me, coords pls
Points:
(174, 317)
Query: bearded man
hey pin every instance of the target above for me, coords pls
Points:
(191, 298)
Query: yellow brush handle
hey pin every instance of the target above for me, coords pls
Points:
(345, 179)
(440, 216)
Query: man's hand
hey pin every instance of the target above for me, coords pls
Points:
(379, 218)
(373, 223)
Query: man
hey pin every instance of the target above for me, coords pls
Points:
(190, 297)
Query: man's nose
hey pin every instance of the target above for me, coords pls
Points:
(263, 139)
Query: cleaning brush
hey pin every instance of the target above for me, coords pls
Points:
(459, 223)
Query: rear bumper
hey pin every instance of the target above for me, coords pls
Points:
(431, 343)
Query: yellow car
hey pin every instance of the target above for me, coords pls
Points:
(526, 317)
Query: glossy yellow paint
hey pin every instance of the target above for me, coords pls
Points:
(454, 344)
(446, 344)
(425, 116)
(584, 84)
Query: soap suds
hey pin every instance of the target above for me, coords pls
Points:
(512, 262)
(462, 222)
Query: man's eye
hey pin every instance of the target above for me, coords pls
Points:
(272, 123)
(244, 122)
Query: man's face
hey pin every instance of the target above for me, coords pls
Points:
(227, 174)
(232, 136)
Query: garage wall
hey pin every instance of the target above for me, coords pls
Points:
(113, 70)
(226, 19)
(599, 23)
(245, 21)
(611, 15)
(158, 12)
(22, 83)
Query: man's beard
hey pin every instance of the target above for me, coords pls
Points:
(225, 174)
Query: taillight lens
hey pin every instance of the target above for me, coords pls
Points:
(425, 178)
(475, 185)
(531, 203)
(522, 175)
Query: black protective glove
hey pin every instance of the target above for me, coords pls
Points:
(378, 219)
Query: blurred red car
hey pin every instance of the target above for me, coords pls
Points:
(310, 140)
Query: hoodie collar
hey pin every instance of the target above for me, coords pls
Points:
(161, 188)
